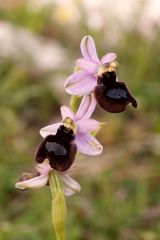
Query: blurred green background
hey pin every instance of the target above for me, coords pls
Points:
(39, 42)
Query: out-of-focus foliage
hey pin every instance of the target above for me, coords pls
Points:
(120, 189)
(22, 16)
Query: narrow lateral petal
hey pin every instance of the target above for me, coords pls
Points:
(50, 129)
(80, 83)
(87, 144)
(68, 192)
(88, 49)
(108, 58)
(86, 108)
(66, 112)
(43, 168)
(36, 182)
(70, 185)
(87, 65)
(87, 125)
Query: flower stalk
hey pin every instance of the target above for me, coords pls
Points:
(59, 209)
(73, 102)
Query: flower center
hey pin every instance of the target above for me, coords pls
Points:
(70, 124)
(110, 67)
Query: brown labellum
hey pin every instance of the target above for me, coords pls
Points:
(59, 149)
(113, 96)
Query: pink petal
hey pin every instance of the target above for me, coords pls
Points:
(66, 112)
(108, 58)
(86, 108)
(35, 182)
(87, 144)
(80, 83)
(68, 192)
(50, 129)
(43, 168)
(70, 185)
(87, 65)
(88, 49)
(87, 125)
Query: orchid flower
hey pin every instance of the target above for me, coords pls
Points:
(41, 179)
(99, 76)
(83, 126)
(85, 80)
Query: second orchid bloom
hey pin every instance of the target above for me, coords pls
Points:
(81, 126)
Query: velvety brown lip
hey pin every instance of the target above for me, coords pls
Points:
(113, 96)
(59, 149)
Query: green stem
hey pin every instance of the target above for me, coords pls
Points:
(59, 209)
(73, 103)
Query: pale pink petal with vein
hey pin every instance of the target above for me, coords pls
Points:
(87, 144)
(50, 129)
(66, 112)
(87, 65)
(87, 125)
(80, 83)
(108, 58)
(86, 108)
(88, 49)
(70, 185)
(36, 182)
(68, 192)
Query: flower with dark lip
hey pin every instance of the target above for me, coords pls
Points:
(113, 96)
(82, 125)
(99, 76)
